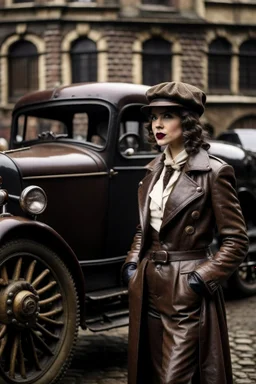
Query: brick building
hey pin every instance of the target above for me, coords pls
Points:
(208, 43)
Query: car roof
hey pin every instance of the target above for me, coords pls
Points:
(245, 130)
(117, 94)
(227, 150)
(239, 130)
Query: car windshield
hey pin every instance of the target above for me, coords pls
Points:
(87, 123)
(248, 139)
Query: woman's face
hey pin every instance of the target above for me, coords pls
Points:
(166, 127)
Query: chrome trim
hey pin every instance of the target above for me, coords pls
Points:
(248, 264)
(14, 197)
(24, 195)
(65, 175)
(130, 167)
(16, 150)
(87, 263)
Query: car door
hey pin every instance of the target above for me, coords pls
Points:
(132, 153)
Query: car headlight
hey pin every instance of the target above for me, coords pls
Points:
(33, 200)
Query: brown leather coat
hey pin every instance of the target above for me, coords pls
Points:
(203, 198)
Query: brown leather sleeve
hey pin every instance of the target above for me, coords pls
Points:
(133, 254)
(231, 228)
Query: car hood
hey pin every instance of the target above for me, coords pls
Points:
(53, 159)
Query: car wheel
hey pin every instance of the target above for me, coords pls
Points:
(39, 314)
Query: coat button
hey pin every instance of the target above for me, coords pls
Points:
(189, 230)
(195, 215)
(199, 189)
(141, 182)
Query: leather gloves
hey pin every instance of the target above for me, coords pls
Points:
(128, 271)
(197, 284)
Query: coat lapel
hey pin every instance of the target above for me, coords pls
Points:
(186, 189)
(184, 192)
(145, 187)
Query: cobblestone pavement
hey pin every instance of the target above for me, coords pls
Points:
(102, 358)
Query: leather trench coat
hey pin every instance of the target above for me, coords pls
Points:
(203, 198)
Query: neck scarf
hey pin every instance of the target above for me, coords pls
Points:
(158, 195)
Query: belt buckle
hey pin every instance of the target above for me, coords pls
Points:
(166, 257)
(155, 259)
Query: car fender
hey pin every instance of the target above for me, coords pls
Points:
(13, 227)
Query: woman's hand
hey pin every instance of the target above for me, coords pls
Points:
(196, 283)
(128, 271)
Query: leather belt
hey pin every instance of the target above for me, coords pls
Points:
(165, 257)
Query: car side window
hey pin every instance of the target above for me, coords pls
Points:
(31, 127)
(86, 128)
(87, 123)
(133, 134)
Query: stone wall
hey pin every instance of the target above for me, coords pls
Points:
(193, 43)
(52, 38)
(119, 62)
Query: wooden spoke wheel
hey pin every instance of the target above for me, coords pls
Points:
(39, 314)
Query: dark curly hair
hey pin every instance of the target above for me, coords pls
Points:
(194, 135)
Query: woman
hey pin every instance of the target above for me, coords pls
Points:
(178, 332)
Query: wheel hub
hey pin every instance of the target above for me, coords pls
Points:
(19, 304)
(24, 304)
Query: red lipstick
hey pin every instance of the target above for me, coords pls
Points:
(160, 135)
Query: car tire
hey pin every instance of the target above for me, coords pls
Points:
(243, 280)
(39, 314)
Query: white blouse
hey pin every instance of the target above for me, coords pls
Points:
(159, 196)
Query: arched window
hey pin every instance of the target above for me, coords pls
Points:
(156, 61)
(22, 69)
(247, 66)
(245, 122)
(84, 60)
(219, 65)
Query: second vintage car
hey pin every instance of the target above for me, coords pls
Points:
(69, 212)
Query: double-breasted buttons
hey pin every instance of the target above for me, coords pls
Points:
(140, 183)
(199, 189)
(195, 215)
(189, 230)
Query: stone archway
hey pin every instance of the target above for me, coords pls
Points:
(244, 122)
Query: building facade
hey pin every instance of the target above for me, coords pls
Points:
(208, 43)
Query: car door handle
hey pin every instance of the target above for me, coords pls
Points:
(112, 172)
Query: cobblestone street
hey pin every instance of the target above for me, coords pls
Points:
(102, 358)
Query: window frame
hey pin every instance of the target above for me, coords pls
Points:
(92, 62)
(154, 53)
(215, 54)
(12, 98)
(247, 55)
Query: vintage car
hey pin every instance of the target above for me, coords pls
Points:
(69, 212)
(246, 137)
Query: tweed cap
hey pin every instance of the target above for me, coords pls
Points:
(175, 94)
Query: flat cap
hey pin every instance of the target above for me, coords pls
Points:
(176, 94)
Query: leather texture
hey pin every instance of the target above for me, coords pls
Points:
(195, 348)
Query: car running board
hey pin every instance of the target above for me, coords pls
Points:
(106, 294)
(109, 320)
